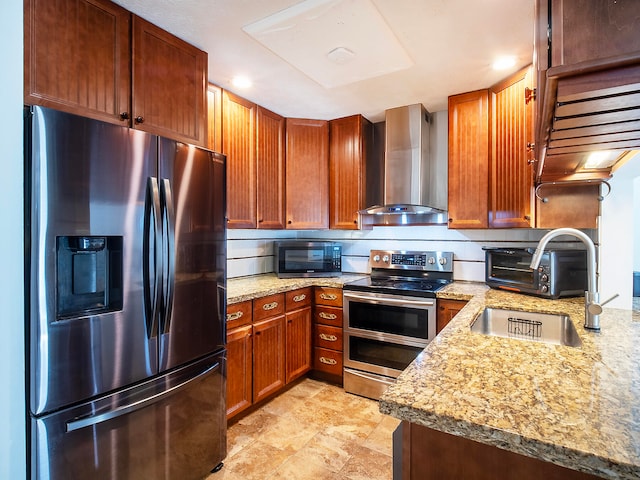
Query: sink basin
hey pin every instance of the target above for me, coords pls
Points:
(532, 326)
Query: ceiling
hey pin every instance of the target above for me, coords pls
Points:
(385, 53)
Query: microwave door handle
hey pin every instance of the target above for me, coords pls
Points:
(393, 301)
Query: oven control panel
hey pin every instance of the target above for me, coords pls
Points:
(408, 260)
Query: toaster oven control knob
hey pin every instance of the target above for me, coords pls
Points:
(544, 277)
(544, 288)
(541, 269)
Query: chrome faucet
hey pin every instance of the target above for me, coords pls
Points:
(592, 305)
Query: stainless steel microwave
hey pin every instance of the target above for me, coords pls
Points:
(562, 272)
(297, 258)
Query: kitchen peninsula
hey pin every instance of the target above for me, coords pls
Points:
(574, 407)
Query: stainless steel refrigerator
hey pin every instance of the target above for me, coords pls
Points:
(126, 273)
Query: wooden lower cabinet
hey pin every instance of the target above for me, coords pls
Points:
(268, 357)
(239, 369)
(298, 343)
(421, 453)
(447, 309)
(327, 334)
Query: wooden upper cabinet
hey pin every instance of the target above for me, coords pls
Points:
(349, 139)
(214, 118)
(469, 160)
(307, 174)
(239, 145)
(95, 59)
(77, 56)
(511, 180)
(589, 30)
(169, 84)
(270, 169)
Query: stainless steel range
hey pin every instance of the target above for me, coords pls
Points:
(390, 317)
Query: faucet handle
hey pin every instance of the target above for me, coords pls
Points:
(595, 307)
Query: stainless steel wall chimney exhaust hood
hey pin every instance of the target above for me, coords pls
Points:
(415, 185)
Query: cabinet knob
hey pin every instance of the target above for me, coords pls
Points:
(139, 119)
(529, 94)
(289, 222)
(124, 116)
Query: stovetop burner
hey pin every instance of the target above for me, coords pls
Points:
(406, 273)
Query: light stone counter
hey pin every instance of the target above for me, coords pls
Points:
(255, 286)
(576, 407)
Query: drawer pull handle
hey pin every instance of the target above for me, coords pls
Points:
(270, 306)
(328, 296)
(299, 298)
(328, 361)
(327, 316)
(234, 316)
(328, 338)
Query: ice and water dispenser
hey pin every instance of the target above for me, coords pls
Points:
(89, 275)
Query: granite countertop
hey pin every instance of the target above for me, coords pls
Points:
(255, 286)
(576, 407)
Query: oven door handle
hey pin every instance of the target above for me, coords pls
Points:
(388, 300)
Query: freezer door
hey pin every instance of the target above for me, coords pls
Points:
(171, 428)
(87, 186)
(192, 189)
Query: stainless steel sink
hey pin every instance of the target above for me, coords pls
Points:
(536, 327)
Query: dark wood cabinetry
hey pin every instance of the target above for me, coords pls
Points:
(239, 357)
(447, 309)
(469, 160)
(169, 85)
(588, 84)
(512, 137)
(80, 57)
(350, 139)
(426, 454)
(270, 169)
(307, 174)
(268, 346)
(327, 334)
(77, 57)
(238, 144)
(298, 341)
(214, 118)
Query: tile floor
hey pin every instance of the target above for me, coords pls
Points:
(314, 431)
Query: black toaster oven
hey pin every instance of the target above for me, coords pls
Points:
(562, 272)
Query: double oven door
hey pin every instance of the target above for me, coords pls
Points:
(383, 334)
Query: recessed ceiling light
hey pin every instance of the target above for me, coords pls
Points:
(241, 81)
(503, 63)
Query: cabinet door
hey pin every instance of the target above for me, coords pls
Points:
(298, 354)
(469, 160)
(447, 309)
(347, 161)
(270, 169)
(307, 174)
(214, 118)
(238, 144)
(268, 357)
(239, 369)
(169, 85)
(76, 55)
(511, 183)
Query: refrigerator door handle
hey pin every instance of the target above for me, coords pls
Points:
(170, 255)
(90, 420)
(151, 256)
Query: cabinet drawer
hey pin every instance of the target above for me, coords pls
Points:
(268, 306)
(296, 299)
(328, 296)
(328, 361)
(328, 316)
(238, 314)
(327, 337)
